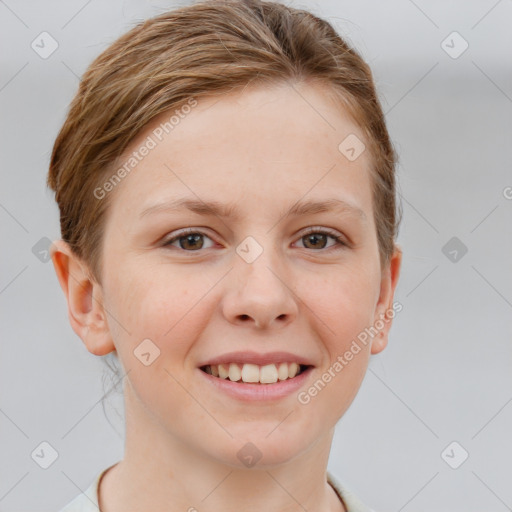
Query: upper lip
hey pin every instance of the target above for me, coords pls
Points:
(257, 358)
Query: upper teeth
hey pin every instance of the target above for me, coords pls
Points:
(266, 374)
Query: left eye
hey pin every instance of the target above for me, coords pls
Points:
(318, 239)
(191, 240)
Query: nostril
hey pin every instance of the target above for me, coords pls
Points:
(244, 317)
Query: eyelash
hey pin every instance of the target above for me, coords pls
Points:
(340, 242)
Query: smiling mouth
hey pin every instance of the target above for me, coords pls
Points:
(255, 374)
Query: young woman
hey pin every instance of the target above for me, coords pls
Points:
(226, 187)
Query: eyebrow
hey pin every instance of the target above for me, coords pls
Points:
(214, 208)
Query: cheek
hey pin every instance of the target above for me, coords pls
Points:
(340, 313)
(341, 306)
(153, 303)
(342, 303)
(158, 318)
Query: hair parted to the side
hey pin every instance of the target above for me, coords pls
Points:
(202, 49)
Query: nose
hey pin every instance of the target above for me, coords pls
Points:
(259, 294)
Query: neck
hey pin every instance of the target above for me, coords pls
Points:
(161, 472)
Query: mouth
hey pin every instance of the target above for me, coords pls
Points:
(249, 373)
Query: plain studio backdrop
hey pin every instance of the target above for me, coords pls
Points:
(430, 427)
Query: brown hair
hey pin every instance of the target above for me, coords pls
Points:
(206, 48)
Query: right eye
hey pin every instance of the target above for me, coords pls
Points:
(188, 240)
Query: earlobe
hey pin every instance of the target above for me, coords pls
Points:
(383, 320)
(379, 342)
(86, 313)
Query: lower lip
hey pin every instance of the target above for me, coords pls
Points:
(258, 392)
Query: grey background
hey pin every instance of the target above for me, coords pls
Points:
(446, 374)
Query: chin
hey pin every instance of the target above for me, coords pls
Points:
(260, 450)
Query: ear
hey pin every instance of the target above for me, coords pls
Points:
(384, 311)
(85, 299)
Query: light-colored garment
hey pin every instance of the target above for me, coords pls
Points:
(88, 500)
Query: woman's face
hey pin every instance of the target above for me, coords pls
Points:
(262, 184)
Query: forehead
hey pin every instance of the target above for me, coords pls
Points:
(260, 145)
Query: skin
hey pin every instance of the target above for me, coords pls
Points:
(261, 149)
